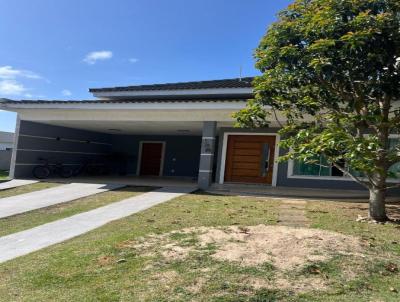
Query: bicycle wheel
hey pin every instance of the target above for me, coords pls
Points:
(41, 172)
(65, 172)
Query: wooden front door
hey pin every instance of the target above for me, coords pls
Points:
(151, 158)
(250, 158)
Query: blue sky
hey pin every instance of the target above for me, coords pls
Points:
(58, 49)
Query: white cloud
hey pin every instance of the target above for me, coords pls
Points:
(10, 73)
(34, 96)
(11, 87)
(133, 60)
(10, 84)
(94, 56)
(66, 92)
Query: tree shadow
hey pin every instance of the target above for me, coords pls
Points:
(393, 212)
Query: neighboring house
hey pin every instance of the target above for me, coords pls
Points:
(6, 146)
(6, 140)
(171, 130)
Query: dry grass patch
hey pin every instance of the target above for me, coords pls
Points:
(284, 247)
(292, 256)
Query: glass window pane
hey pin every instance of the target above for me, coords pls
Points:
(356, 173)
(301, 168)
(394, 142)
(395, 169)
(325, 170)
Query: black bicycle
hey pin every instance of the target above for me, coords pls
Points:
(91, 168)
(46, 169)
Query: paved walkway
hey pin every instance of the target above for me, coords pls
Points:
(43, 198)
(16, 183)
(28, 241)
(132, 180)
(289, 192)
(292, 213)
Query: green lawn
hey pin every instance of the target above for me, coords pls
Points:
(119, 261)
(374, 282)
(3, 175)
(28, 188)
(34, 218)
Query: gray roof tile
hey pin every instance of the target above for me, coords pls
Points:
(186, 99)
(227, 83)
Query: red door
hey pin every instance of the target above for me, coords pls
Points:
(151, 159)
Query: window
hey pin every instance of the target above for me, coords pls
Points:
(395, 143)
(323, 169)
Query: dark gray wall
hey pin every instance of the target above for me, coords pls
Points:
(57, 144)
(5, 159)
(182, 153)
(72, 146)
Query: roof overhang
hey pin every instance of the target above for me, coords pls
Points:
(198, 93)
(125, 111)
(125, 105)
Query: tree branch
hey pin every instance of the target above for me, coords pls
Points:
(276, 117)
(355, 178)
(393, 187)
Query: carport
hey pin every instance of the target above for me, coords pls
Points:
(135, 139)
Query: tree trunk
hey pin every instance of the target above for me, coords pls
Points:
(377, 207)
(377, 191)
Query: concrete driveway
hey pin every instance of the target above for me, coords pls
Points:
(14, 183)
(25, 242)
(39, 199)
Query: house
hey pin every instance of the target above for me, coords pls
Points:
(6, 146)
(6, 140)
(169, 130)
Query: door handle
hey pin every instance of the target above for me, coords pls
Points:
(267, 164)
(265, 159)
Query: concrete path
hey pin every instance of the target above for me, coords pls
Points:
(43, 198)
(28, 241)
(14, 183)
(289, 192)
(292, 213)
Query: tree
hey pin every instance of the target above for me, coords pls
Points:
(332, 69)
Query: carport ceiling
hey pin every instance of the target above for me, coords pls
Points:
(137, 128)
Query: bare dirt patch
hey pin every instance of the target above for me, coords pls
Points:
(284, 247)
(287, 250)
(105, 260)
(197, 285)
